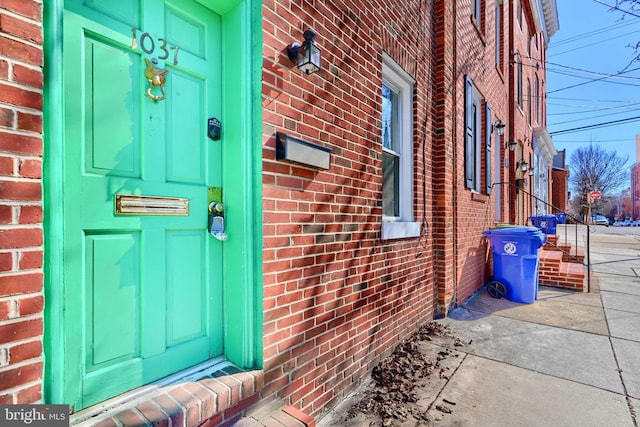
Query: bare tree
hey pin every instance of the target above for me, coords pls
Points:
(596, 169)
(629, 9)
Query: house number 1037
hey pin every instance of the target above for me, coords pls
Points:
(148, 46)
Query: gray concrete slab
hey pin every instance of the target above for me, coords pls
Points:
(623, 314)
(554, 307)
(628, 355)
(623, 286)
(577, 356)
(487, 393)
(634, 404)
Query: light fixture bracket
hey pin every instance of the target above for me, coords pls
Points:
(306, 55)
(498, 127)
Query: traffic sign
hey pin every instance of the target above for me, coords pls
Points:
(595, 195)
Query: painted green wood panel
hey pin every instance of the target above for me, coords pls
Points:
(127, 11)
(186, 31)
(152, 302)
(186, 290)
(186, 159)
(111, 142)
(112, 308)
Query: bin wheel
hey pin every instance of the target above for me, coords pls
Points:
(496, 289)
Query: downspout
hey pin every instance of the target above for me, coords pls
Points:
(454, 186)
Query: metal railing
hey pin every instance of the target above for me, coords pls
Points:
(569, 228)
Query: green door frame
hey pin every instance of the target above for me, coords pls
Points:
(242, 180)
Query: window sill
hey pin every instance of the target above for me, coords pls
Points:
(399, 230)
(477, 197)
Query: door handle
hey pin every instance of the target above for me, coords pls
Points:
(216, 221)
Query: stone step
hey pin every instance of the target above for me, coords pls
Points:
(568, 275)
(574, 255)
(276, 414)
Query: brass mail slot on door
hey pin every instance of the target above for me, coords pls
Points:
(126, 204)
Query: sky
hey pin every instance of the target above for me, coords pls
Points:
(593, 42)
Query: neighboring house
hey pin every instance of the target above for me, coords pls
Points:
(347, 205)
(635, 183)
(560, 183)
(532, 24)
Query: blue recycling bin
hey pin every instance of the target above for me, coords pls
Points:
(547, 223)
(516, 261)
(561, 218)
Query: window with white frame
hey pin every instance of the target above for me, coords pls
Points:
(397, 152)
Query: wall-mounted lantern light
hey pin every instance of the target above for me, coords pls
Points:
(511, 145)
(498, 127)
(306, 55)
(523, 166)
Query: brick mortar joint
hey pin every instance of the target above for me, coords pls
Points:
(20, 109)
(13, 14)
(23, 364)
(36, 45)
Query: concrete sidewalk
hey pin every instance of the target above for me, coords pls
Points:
(569, 359)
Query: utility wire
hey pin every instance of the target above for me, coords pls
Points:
(577, 69)
(605, 79)
(617, 8)
(597, 125)
(582, 141)
(593, 109)
(584, 118)
(591, 44)
(592, 73)
(589, 100)
(608, 28)
(590, 81)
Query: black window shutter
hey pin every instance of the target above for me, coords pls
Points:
(469, 152)
(487, 145)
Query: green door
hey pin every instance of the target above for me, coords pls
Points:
(143, 292)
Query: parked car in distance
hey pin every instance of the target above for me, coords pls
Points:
(601, 220)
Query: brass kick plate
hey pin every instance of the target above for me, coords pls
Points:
(126, 204)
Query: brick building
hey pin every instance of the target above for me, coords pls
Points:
(560, 182)
(635, 184)
(214, 228)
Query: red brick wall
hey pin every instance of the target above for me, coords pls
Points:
(21, 236)
(337, 297)
(559, 191)
(635, 191)
(474, 212)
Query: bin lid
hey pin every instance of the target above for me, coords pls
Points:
(543, 216)
(517, 231)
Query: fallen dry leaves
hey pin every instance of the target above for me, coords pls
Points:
(397, 377)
